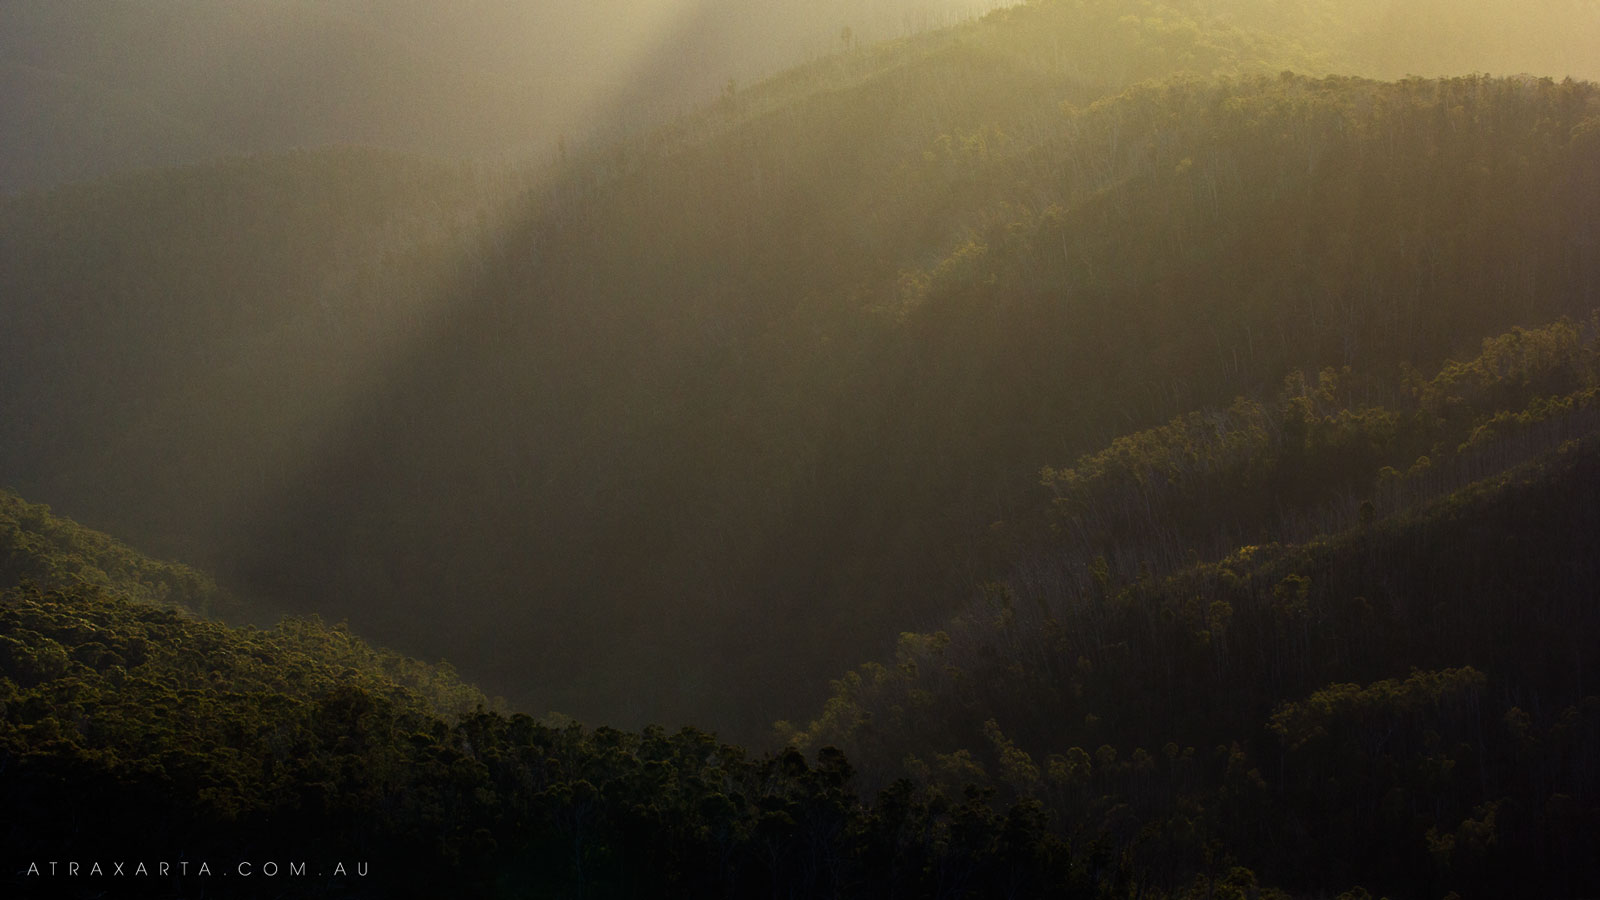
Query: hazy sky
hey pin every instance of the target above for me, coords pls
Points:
(91, 86)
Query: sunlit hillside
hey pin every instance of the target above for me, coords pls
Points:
(1135, 449)
(756, 382)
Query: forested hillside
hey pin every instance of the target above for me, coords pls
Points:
(678, 428)
(298, 761)
(1336, 642)
(1191, 406)
(1398, 703)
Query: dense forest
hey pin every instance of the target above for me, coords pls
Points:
(683, 426)
(1191, 406)
(1401, 643)
(1460, 758)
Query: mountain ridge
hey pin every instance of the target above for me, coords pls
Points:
(764, 376)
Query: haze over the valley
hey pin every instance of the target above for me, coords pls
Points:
(680, 421)
(828, 449)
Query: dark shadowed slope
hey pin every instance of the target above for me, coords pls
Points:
(1391, 684)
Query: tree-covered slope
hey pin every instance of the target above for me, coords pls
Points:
(1389, 685)
(1397, 702)
(786, 418)
(51, 552)
(690, 421)
(148, 752)
(683, 424)
(82, 595)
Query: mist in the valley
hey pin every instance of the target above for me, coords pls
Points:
(551, 339)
